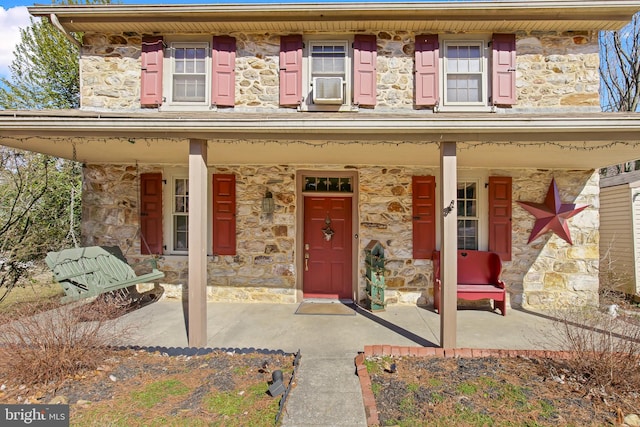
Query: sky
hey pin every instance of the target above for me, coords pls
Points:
(12, 18)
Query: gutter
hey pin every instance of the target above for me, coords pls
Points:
(585, 130)
(56, 23)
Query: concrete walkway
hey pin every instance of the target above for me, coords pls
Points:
(328, 391)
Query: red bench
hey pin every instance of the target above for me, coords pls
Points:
(478, 278)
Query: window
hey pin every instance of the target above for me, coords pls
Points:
(483, 214)
(180, 214)
(459, 73)
(328, 184)
(164, 227)
(468, 220)
(189, 63)
(328, 74)
(464, 73)
(188, 72)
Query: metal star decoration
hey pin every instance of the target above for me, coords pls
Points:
(552, 215)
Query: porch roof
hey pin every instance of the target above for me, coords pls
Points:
(497, 15)
(587, 140)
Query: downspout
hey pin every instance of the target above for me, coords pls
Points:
(54, 20)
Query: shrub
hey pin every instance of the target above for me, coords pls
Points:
(606, 349)
(38, 346)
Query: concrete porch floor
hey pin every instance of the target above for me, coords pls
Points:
(277, 327)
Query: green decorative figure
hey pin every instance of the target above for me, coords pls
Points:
(374, 261)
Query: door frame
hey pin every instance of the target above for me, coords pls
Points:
(355, 230)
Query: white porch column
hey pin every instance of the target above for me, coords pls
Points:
(197, 308)
(449, 244)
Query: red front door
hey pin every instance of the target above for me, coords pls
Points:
(327, 247)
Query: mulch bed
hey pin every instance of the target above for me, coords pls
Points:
(490, 391)
(134, 387)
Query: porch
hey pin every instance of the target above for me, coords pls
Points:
(520, 145)
(277, 327)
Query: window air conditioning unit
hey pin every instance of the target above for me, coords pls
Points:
(328, 90)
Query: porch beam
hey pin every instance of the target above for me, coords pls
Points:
(197, 282)
(449, 245)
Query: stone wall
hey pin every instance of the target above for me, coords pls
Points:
(262, 270)
(558, 70)
(554, 70)
(110, 72)
(549, 272)
(546, 273)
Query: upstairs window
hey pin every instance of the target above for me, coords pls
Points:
(464, 73)
(189, 64)
(188, 73)
(328, 74)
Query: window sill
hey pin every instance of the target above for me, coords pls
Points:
(185, 256)
(464, 109)
(328, 108)
(187, 108)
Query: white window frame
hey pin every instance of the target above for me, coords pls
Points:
(170, 175)
(307, 82)
(168, 74)
(483, 42)
(465, 217)
(175, 213)
(481, 178)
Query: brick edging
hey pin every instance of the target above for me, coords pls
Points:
(371, 411)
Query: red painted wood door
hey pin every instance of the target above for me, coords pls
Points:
(327, 262)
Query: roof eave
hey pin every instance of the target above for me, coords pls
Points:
(595, 15)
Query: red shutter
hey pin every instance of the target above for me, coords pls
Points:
(504, 69)
(291, 70)
(223, 79)
(224, 214)
(365, 53)
(151, 213)
(424, 216)
(426, 69)
(151, 77)
(500, 216)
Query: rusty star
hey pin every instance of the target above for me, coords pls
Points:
(552, 215)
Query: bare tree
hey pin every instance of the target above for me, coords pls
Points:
(620, 78)
(620, 67)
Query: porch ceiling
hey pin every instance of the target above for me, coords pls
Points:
(484, 140)
(498, 15)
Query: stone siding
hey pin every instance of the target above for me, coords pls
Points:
(554, 70)
(558, 70)
(546, 273)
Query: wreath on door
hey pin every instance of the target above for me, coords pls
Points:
(327, 231)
